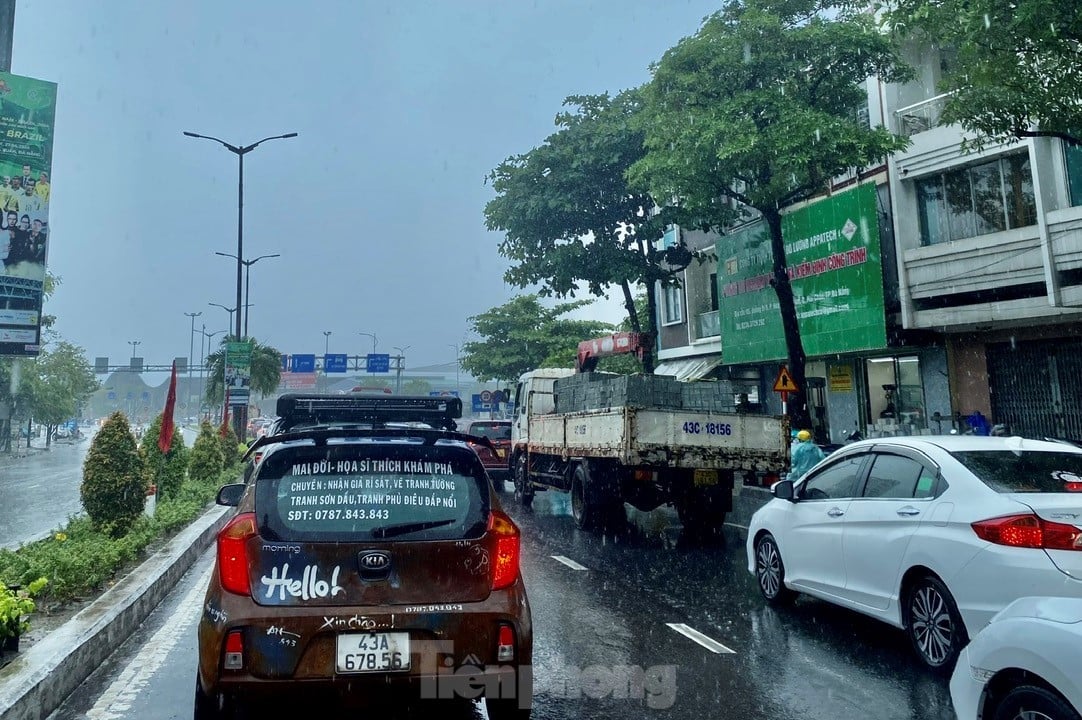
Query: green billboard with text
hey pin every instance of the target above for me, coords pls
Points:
(836, 269)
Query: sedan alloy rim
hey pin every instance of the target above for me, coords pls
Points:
(769, 569)
(932, 625)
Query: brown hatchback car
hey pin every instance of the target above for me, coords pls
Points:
(365, 559)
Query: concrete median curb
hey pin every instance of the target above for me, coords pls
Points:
(36, 683)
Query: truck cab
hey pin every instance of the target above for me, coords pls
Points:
(534, 395)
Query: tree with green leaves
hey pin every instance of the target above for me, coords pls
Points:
(114, 478)
(59, 382)
(167, 471)
(416, 386)
(756, 112)
(206, 461)
(570, 218)
(522, 335)
(1015, 68)
(266, 370)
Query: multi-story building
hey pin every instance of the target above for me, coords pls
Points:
(944, 283)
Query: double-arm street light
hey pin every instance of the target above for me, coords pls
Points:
(240, 419)
(240, 151)
(204, 336)
(247, 281)
(134, 344)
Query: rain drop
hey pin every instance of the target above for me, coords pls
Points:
(987, 22)
(747, 52)
(817, 136)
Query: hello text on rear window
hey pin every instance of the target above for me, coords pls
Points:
(384, 493)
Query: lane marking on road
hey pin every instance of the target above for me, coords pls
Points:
(568, 562)
(117, 700)
(707, 642)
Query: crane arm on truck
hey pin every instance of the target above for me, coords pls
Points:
(624, 343)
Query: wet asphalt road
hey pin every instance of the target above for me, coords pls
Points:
(808, 661)
(38, 493)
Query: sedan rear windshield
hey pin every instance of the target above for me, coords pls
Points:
(492, 431)
(1008, 471)
(364, 491)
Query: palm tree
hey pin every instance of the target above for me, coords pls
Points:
(266, 369)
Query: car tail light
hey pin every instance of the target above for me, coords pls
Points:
(233, 554)
(506, 563)
(234, 650)
(505, 648)
(1029, 531)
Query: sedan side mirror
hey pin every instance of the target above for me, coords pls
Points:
(782, 490)
(230, 495)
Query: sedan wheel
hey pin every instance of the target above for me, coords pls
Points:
(770, 571)
(934, 625)
(1030, 702)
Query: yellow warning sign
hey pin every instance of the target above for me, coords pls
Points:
(785, 383)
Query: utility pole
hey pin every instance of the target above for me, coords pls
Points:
(326, 349)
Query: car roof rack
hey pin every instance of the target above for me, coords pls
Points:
(301, 408)
(321, 435)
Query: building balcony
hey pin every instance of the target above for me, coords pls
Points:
(920, 117)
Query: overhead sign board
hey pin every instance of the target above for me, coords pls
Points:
(302, 363)
(27, 111)
(378, 363)
(335, 363)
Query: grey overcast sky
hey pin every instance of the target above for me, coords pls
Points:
(402, 108)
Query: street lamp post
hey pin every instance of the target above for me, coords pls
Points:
(326, 350)
(240, 419)
(134, 344)
(203, 362)
(374, 340)
(191, 351)
(458, 383)
(229, 310)
(247, 281)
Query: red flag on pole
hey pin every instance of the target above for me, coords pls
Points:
(224, 429)
(165, 437)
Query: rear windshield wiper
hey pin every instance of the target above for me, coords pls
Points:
(387, 531)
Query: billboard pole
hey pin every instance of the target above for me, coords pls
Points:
(7, 36)
(7, 33)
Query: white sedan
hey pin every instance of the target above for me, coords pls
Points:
(1024, 665)
(932, 534)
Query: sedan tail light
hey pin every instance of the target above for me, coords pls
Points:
(505, 566)
(233, 553)
(1029, 531)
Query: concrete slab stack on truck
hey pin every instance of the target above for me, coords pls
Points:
(646, 440)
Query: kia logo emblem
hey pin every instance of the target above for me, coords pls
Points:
(375, 560)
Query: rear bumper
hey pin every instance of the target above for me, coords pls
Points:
(287, 649)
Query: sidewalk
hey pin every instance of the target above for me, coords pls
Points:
(40, 679)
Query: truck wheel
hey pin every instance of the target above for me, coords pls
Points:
(523, 486)
(595, 502)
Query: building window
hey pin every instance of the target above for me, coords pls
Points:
(1074, 173)
(977, 200)
(672, 305)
